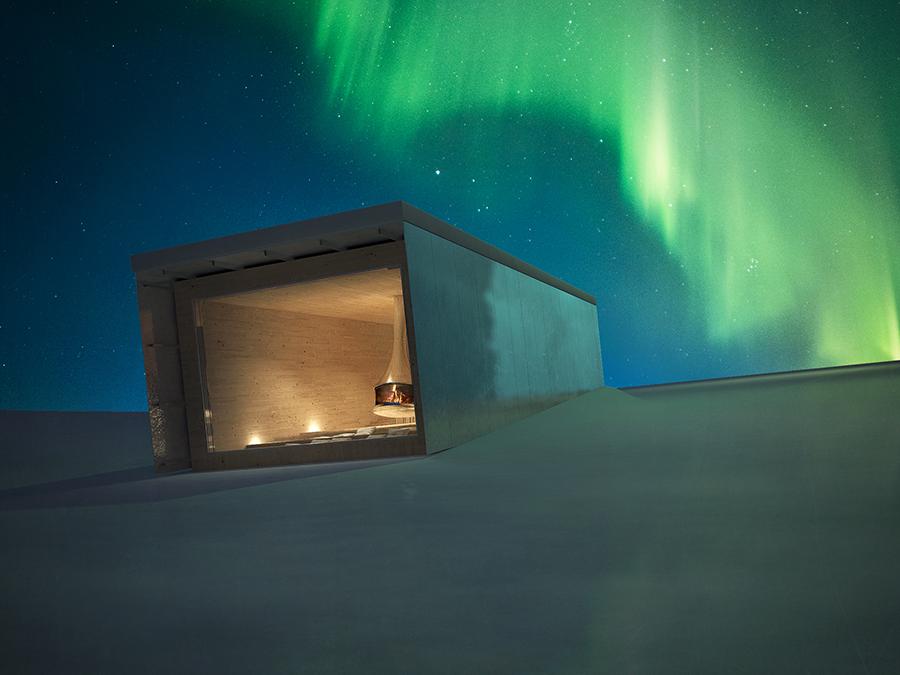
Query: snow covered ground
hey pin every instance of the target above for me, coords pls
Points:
(745, 528)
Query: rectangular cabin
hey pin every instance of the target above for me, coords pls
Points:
(379, 332)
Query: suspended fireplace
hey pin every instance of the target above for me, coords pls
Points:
(394, 393)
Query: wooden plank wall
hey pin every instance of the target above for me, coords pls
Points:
(492, 344)
(271, 373)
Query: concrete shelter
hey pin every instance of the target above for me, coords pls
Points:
(379, 332)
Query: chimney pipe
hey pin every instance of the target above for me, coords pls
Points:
(394, 394)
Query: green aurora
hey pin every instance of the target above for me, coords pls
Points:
(773, 202)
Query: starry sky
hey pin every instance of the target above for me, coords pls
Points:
(723, 177)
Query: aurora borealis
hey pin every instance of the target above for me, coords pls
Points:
(723, 177)
(765, 211)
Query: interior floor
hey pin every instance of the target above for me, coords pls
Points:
(362, 433)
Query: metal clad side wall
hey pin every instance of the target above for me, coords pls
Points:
(493, 344)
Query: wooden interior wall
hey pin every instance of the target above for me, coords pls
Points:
(271, 373)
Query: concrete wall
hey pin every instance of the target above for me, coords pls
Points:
(492, 344)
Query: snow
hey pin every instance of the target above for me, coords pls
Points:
(752, 528)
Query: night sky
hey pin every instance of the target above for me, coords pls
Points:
(723, 177)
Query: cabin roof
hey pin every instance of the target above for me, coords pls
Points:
(317, 236)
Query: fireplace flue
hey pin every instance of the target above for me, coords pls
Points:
(394, 393)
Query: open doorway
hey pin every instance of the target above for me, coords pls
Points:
(308, 363)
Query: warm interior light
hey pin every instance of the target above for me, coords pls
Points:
(313, 426)
(254, 440)
(394, 393)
